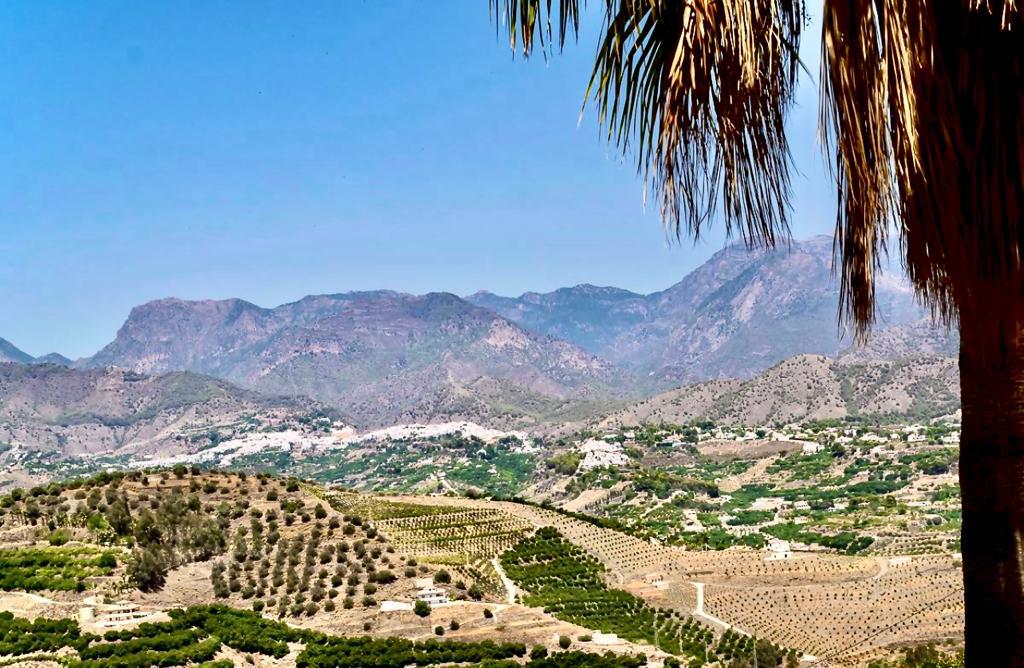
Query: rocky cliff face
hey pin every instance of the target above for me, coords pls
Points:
(376, 355)
(734, 316)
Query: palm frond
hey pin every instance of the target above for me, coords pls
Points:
(922, 110)
(700, 91)
(919, 99)
(531, 22)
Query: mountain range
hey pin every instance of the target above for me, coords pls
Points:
(736, 315)
(386, 357)
(382, 357)
(9, 353)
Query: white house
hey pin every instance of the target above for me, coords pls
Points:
(811, 448)
(778, 550)
(435, 596)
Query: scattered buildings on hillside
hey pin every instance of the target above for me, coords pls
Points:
(602, 453)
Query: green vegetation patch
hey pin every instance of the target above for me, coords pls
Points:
(194, 636)
(846, 541)
(20, 637)
(567, 582)
(52, 568)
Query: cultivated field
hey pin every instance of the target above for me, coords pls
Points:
(846, 610)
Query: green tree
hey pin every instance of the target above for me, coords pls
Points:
(119, 517)
(148, 569)
(421, 608)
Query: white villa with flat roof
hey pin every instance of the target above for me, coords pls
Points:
(435, 596)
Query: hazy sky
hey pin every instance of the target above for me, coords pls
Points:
(269, 150)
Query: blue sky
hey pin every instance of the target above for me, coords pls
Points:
(270, 150)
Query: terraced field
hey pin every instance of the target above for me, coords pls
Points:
(437, 530)
(326, 561)
(846, 609)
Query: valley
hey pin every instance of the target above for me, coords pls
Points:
(702, 476)
(831, 542)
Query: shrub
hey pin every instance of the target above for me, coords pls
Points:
(422, 609)
(59, 537)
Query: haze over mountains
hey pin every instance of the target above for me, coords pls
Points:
(380, 356)
(115, 411)
(734, 316)
(10, 353)
(385, 357)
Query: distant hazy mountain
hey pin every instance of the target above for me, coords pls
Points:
(8, 353)
(114, 411)
(809, 387)
(736, 315)
(592, 317)
(54, 358)
(380, 356)
(384, 357)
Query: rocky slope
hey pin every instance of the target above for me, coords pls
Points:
(52, 409)
(734, 316)
(808, 387)
(379, 356)
(9, 353)
(385, 357)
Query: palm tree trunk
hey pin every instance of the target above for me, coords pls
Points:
(992, 488)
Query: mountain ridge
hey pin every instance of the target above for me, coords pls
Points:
(808, 387)
(377, 354)
(734, 316)
(11, 353)
(383, 356)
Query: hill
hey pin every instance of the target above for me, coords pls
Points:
(809, 387)
(54, 358)
(47, 410)
(8, 353)
(382, 357)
